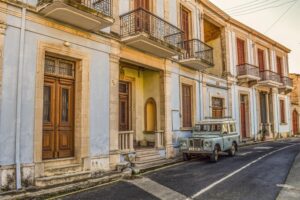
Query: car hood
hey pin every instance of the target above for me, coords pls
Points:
(206, 136)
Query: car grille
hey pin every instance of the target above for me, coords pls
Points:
(196, 145)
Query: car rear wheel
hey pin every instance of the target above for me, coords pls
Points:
(186, 156)
(215, 155)
(232, 150)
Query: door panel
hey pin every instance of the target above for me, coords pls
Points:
(261, 59)
(279, 66)
(243, 118)
(241, 51)
(295, 122)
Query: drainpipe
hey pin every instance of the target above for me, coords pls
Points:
(19, 99)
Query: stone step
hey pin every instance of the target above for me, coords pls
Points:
(142, 152)
(147, 162)
(62, 179)
(65, 169)
(147, 157)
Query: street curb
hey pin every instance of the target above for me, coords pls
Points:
(47, 193)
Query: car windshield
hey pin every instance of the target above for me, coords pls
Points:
(208, 128)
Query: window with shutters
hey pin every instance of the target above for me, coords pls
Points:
(240, 51)
(186, 106)
(282, 112)
(217, 107)
(261, 59)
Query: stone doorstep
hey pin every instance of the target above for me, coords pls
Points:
(153, 166)
(149, 161)
(143, 152)
(43, 193)
(61, 179)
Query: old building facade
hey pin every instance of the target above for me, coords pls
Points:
(86, 84)
(295, 103)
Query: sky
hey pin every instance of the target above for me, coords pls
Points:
(278, 19)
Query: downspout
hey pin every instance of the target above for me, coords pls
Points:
(19, 99)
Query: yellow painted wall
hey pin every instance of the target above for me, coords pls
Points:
(217, 69)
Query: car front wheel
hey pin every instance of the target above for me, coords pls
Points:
(186, 156)
(215, 155)
(232, 150)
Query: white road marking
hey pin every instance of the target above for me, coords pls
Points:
(157, 190)
(237, 171)
(290, 187)
(245, 153)
(263, 148)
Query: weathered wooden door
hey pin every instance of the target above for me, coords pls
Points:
(58, 109)
(240, 51)
(186, 105)
(243, 116)
(261, 60)
(124, 106)
(295, 122)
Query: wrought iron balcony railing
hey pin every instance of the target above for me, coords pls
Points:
(248, 70)
(100, 6)
(268, 75)
(196, 49)
(286, 81)
(143, 21)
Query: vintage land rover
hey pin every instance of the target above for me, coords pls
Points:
(211, 137)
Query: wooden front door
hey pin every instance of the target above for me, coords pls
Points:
(295, 122)
(124, 106)
(261, 60)
(243, 116)
(58, 109)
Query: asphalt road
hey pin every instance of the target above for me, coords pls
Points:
(253, 174)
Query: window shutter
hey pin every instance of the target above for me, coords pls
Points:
(279, 66)
(185, 23)
(261, 59)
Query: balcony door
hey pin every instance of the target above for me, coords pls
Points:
(279, 66)
(240, 51)
(142, 18)
(58, 109)
(261, 60)
(185, 27)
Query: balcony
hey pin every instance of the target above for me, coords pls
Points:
(197, 55)
(287, 83)
(149, 33)
(247, 72)
(91, 15)
(270, 79)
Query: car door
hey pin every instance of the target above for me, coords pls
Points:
(225, 136)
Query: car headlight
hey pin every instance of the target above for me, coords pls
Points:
(207, 144)
(183, 144)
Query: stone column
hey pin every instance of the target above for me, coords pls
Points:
(168, 118)
(114, 153)
(2, 35)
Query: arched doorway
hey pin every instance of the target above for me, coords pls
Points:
(150, 115)
(295, 122)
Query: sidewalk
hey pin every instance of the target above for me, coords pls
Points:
(291, 188)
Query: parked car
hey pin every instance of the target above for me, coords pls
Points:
(211, 137)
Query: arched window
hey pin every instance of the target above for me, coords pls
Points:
(150, 115)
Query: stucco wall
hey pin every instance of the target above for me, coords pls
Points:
(99, 79)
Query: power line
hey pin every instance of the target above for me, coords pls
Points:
(265, 8)
(266, 5)
(280, 17)
(241, 5)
